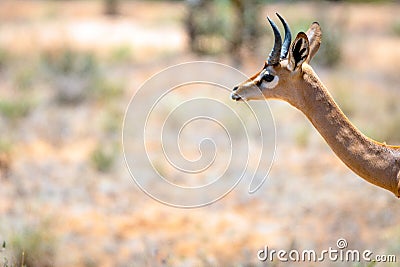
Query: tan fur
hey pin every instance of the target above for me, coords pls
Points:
(375, 162)
(314, 35)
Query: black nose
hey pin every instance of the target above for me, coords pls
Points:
(235, 88)
(236, 97)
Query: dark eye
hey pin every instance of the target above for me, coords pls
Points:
(268, 77)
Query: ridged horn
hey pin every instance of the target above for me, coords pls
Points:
(288, 38)
(273, 57)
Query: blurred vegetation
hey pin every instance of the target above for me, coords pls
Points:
(111, 7)
(112, 120)
(66, 60)
(330, 51)
(302, 137)
(103, 157)
(345, 97)
(390, 132)
(15, 109)
(396, 28)
(77, 75)
(105, 89)
(5, 158)
(24, 78)
(32, 247)
(4, 57)
(230, 26)
(5, 146)
(220, 26)
(121, 54)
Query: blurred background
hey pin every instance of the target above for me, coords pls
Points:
(67, 72)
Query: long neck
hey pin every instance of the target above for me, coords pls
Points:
(377, 163)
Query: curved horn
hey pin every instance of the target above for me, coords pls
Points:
(273, 57)
(288, 37)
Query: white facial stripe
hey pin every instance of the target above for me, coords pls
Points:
(259, 77)
(249, 84)
(272, 84)
(257, 80)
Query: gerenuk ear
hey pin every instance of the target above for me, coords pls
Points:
(314, 35)
(298, 52)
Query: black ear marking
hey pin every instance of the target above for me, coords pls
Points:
(299, 44)
(299, 51)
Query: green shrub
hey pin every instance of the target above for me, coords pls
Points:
(104, 89)
(121, 53)
(15, 109)
(396, 28)
(72, 73)
(103, 158)
(66, 61)
(220, 26)
(112, 120)
(24, 78)
(33, 247)
(6, 146)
